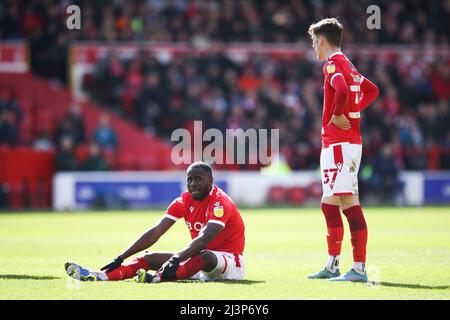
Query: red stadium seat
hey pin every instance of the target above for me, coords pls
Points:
(26, 104)
(26, 130)
(16, 195)
(82, 152)
(126, 161)
(147, 161)
(110, 157)
(39, 193)
(44, 120)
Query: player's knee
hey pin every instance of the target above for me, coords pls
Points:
(348, 201)
(154, 260)
(209, 259)
(148, 256)
(331, 200)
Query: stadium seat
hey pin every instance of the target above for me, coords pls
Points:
(16, 195)
(126, 161)
(110, 157)
(147, 161)
(26, 130)
(39, 191)
(44, 120)
(82, 152)
(26, 104)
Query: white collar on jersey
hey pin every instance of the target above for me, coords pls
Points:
(334, 53)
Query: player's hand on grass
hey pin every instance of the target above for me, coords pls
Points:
(340, 121)
(169, 269)
(113, 265)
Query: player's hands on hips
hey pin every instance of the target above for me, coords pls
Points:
(169, 269)
(340, 121)
(113, 265)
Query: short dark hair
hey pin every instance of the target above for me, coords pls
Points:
(330, 28)
(202, 165)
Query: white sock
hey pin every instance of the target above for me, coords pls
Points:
(101, 275)
(333, 263)
(359, 267)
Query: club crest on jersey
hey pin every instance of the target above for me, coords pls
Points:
(218, 211)
(331, 68)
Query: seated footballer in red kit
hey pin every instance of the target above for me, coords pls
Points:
(215, 252)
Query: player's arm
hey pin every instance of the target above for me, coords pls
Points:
(205, 236)
(145, 241)
(341, 94)
(150, 237)
(369, 92)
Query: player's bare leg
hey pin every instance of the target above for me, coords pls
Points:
(156, 259)
(351, 208)
(147, 261)
(335, 232)
(204, 261)
(127, 270)
(209, 260)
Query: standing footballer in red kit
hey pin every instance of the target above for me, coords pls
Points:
(216, 249)
(346, 94)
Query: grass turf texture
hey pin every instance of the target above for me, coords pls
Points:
(408, 256)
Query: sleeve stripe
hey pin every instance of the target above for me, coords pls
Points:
(218, 222)
(334, 75)
(362, 79)
(170, 217)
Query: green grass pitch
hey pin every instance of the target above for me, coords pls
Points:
(408, 255)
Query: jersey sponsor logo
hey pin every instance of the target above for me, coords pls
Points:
(191, 209)
(218, 211)
(331, 68)
(197, 226)
(354, 115)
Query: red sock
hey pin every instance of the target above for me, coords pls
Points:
(128, 269)
(335, 228)
(358, 229)
(190, 267)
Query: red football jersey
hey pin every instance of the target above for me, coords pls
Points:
(336, 66)
(218, 208)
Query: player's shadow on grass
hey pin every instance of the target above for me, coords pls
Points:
(240, 281)
(246, 282)
(26, 277)
(411, 286)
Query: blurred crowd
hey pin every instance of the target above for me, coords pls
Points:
(402, 130)
(411, 114)
(43, 23)
(74, 151)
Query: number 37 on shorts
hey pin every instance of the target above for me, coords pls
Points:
(339, 165)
